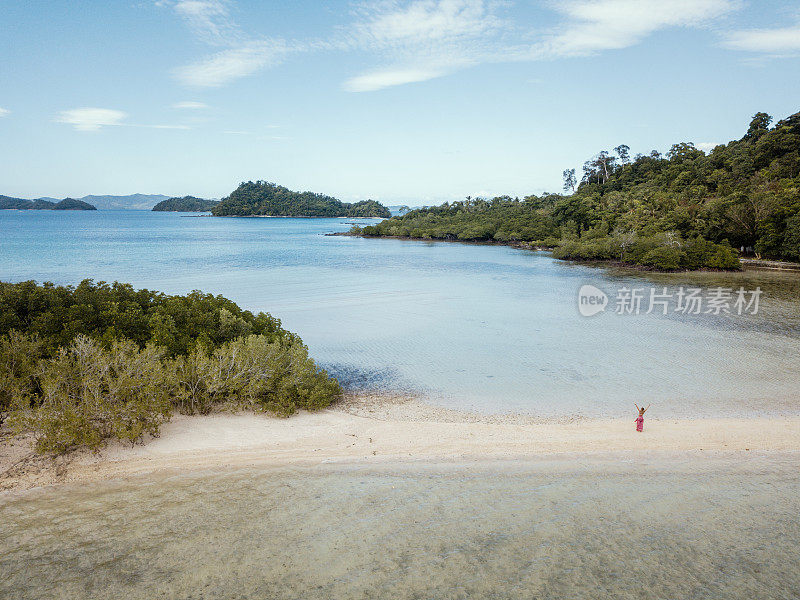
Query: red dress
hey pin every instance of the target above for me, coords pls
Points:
(639, 423)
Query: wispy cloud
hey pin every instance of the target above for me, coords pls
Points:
(593, 26)
(418, 40)
(425, 22)
(91, 119)
(208, 19)
(4, 112)
(189, 105)
(94, 119)
(243, 55)
(779, 41)
(383, 78)
(233, 63)
(432, 38)
(423, 39)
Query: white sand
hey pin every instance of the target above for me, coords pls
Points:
(406, 430)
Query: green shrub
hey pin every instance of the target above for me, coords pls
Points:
(663, 258)
(106, 312)
(100, 385)
(19, 355)
(723, 257)
(89, 394)
(252, 372)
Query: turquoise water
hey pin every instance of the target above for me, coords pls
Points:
(486, 328)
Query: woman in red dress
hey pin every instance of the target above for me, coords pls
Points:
(640, 418)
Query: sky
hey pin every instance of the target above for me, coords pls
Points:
(413, 102)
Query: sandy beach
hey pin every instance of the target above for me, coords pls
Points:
(371, 431)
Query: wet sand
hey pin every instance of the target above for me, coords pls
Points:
(370, 431)
(398, 499)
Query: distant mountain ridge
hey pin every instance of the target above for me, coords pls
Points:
(9, 203)
(130, 202)
(185, 204)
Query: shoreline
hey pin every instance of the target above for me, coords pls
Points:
(747, 264)
(374, 431)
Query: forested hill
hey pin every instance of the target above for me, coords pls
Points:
(186, 204)
(262, 198)
(683, 210)
(6, 202)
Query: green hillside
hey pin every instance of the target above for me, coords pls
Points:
(685, 210)
(186, 204)
(262, 198)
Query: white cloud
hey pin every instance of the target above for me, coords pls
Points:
(430, 38)
(4, 112)
(91, 119)
(426, 21)
(211, 22)
(597, 25)
(418, 40)
(377, 80)
(785, 40)
(231, 64)
(423, 39)
(208, 19)
(189, 105)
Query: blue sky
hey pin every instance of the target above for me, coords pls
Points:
(412, 102)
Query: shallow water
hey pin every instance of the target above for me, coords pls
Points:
(486, 328)
(647, 528)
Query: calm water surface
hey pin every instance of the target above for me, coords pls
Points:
(486, 328)
(553, 529)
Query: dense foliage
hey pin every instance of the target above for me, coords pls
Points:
(186, 204)
(80, 365)
(6, 202)
(269, 199)
(683, 210)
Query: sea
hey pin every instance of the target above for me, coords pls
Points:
(482, 328)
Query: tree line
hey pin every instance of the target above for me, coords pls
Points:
(683, 210)
(185, 204)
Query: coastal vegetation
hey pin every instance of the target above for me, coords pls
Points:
(262, 198)
(80, 365)
(685, 210)
(6, 202)
(185, 204)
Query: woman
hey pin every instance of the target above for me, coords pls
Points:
(640, 418)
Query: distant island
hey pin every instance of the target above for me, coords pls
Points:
(683, 211)
(185, 204)
(9, 203)
(262, 198)
(129, 202)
